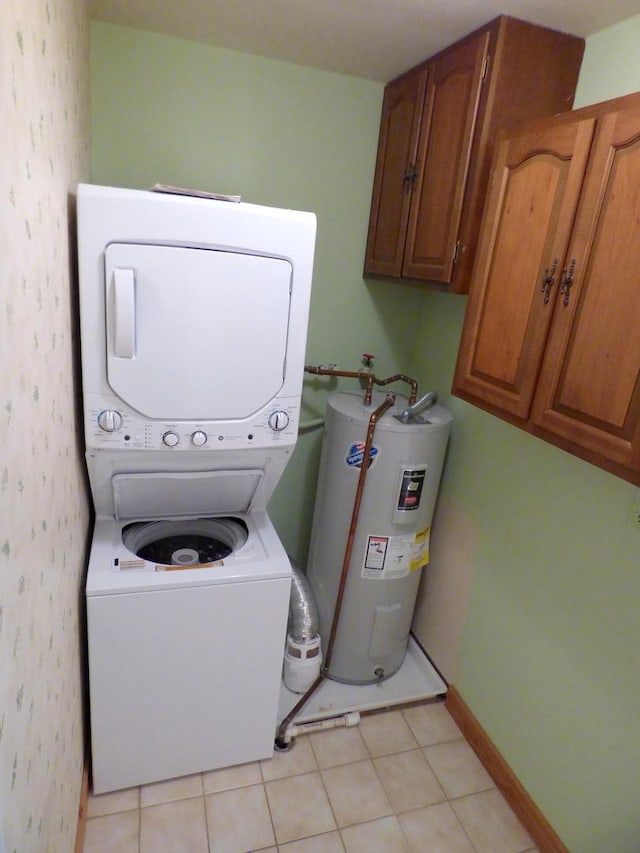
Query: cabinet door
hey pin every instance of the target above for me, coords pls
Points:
(400, 122)
(534, 192)
(589, 389)
(446, 135)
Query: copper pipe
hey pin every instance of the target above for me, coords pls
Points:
(400, 377)
(284, 725)
(355, 513)
(369, 378)
(350, 374)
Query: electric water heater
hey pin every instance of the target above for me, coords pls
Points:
(391, 541)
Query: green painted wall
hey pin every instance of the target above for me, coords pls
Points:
(550, 656)
(611, 65)
(191, 115)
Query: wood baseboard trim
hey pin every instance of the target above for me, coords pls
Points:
(82, 811)
(536, 824)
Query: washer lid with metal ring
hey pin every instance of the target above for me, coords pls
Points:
(185, 542)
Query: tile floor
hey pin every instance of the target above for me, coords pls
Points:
(403, 780)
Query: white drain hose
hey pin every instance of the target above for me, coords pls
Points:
(294, 729)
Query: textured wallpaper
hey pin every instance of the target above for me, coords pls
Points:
(44, 112)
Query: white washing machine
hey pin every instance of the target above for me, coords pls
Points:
(193, 317)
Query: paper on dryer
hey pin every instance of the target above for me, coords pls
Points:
(165, 188)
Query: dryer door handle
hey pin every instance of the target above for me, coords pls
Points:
(124, 314)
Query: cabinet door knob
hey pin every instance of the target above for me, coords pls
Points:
(549, 280)
(567, 281)
(409, 177)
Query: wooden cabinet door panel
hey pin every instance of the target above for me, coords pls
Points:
(399, 126)
(446, 134)
(589, 390)
(534, 193)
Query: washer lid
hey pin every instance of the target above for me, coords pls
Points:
(195, 334)
(183, 495)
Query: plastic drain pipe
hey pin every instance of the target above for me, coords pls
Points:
(352, 718)
(283, 737)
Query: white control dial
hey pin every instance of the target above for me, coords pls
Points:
(279, 420)
(109, 420)
(170, 439)
(198, 438)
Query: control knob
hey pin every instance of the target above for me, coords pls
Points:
(278, 420)
(199, 438)
(109, 420)
(170, 439)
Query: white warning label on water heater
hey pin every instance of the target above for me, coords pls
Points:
(376, 553)
(389, 557)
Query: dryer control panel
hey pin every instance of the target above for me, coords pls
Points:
(112, 425)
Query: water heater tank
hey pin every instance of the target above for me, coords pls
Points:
(391, 541)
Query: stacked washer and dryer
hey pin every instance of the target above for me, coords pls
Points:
(193, 316)
(193, 320)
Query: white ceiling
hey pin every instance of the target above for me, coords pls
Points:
(375, 39)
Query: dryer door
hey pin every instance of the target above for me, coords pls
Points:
(195, 334)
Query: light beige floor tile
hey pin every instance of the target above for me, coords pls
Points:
(232, 777)
(117, 801)
(117, 833)
(299, 807)
(328, 842)
(238, 820)
(174, 827)
(490, 823)
(298, 760)
(377, 836)
(171, 790)
(338, 746)
(386, 733)
(392, 802)
(356, 793)
(431, 723)
(408, 780)
(439, 825)
(458, 768)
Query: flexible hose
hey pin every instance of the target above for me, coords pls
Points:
(303, 613)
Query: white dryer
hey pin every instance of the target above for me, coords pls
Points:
(193, 317)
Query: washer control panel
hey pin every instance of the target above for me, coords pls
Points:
(111, 425)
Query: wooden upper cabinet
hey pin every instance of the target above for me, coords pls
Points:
(397, 145)
(550, 339)
(444, 145)
(535, 188)
(589, 389)
(439, 124)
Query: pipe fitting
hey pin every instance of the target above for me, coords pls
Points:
(412, 413)
(345, 720)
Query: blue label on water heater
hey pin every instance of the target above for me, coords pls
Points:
(355, 455)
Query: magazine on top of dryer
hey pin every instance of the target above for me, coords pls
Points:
(166, 188)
